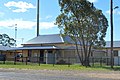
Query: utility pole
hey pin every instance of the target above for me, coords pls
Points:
(15, 34)
(37, 17)
(111, 22)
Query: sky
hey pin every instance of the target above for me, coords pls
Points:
(22, 14)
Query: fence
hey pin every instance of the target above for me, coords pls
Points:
(103, 61)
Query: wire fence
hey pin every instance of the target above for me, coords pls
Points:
(103, 61)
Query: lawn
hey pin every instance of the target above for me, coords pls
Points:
(36, 66)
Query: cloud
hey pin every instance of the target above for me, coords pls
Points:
(1, 14)
(20, 10)
(19, 6)
(114, 12)
(22, 24)
(44, 18)
(47, 17)
(93, 0)
(47, 25)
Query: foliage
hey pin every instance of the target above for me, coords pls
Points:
(85, 24)
(5, 40)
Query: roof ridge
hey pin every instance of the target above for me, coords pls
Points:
(48, 34)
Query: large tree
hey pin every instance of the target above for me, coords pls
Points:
(85, 24)
(5, 40)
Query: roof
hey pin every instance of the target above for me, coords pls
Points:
(4, 48)
(42, 47)
(34, 48)
(115, 44)
(49, 39)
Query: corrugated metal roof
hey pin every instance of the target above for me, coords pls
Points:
(115, 44)
(43, 47)
(46, 39)
(4, 48)
(34, 48)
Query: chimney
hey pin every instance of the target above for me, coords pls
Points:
(37, 17)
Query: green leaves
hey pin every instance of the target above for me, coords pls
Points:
(85, 24)
(5, 40)
(80, 17)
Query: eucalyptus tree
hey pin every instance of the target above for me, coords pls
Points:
(85, 24)
(5, 40)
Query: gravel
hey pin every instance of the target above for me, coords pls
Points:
(16, 74)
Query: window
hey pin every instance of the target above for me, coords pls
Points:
(115, 53)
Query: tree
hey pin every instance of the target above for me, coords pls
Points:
(5, 40)
(85, 24)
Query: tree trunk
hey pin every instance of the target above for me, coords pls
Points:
(78, 52)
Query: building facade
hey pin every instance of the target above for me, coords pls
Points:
(47, 49)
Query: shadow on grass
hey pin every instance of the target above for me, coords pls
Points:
(16, 63)
(116, 68)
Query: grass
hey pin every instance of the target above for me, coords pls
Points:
(35, 66)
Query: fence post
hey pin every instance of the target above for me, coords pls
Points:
(68, 61)
(118, 60)
(15, 60)
(93, 61)
(53, 64)
(107, 61)
(22, 59)
(101, 61)
(26, 60)
(4, 59)
(39, 61)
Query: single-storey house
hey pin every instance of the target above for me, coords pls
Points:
(55, 48)
(52, 48)
(116, 51)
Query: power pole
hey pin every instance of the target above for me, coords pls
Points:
(15, 34)
(37, 17)
(111, 22)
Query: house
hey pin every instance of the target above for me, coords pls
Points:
(3, 51)
(52, 48)
(116, 47)
(116, 51)
(55, 48)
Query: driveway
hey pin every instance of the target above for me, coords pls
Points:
(15, 74)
